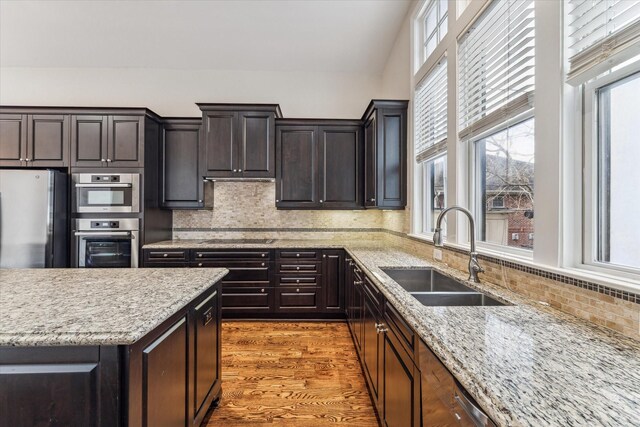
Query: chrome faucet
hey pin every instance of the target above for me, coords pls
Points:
(474, 267)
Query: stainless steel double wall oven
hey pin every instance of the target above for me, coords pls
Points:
(102, 240)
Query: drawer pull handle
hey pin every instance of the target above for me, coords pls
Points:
(297, 268)
(297, 255)
(297, 290)
(298, 281)
(165, 255)
(199, 255)
(262, 290)
(263, 264)
(324, 256)
(263, 255)
(199, 264)
(208, 316)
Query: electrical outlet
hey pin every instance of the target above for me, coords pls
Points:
(437, 254)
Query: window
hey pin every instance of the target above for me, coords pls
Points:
(505, 186)
(434, 26)
(497, 83)
(430, 141)
(434, 187)
(618, 153)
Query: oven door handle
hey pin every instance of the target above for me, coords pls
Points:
(103, 233)
(96, 185)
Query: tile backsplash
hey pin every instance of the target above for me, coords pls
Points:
(246, 207)
(247, 210)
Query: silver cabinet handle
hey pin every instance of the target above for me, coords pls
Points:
(324, 256)
(235, 170)
(262, 255)
(239, 170)
(108, 160)
(27, 160)
(21, 159)
(298, 281)
(262, 264)
(298, 255)
(199, 255)
(262, 290)
(297, 268)
(199, 264)
(199, 201)
(321, 201)
(297, 290)
(372, 199)
(103, 160)
(165, 255)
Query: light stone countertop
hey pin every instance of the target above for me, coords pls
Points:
(52, 307)
(525, 364)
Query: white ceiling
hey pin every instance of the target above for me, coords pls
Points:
(353, 36)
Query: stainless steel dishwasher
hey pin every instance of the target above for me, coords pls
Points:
(444, 400)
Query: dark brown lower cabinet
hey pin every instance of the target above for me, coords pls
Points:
(164, 371)
(247, 302)
(372, 348)
(170, 377)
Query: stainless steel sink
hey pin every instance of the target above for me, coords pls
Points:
(433, 288)
(425, 280)
(455, 299)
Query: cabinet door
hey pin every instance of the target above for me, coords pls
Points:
(392, 163)
(13, 139)
(256, 144)
(372, 350)
(297, 171)
(348, 291)
(207, 349)
(218, 149)
(340, 167)
(371, 164)
(48, 141)
(164, 364)
(401, 385)
(358, 312)
(182, 185)
(333, 280)
(126, 135)
(245, 302)
(89, 141)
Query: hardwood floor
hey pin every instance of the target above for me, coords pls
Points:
(291, 374)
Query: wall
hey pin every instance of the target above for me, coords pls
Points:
(396, 77)
(171, 92)
(247, 210)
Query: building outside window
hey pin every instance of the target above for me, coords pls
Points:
(505, 186)
(434, 187)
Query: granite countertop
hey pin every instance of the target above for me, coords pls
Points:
(525, 364)
(47, 307)
(257, 243)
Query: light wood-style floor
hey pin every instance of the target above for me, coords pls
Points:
(291, 374)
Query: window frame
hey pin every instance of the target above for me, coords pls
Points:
(424, 38)
(476, 201)
(425, 182)
(590, 175)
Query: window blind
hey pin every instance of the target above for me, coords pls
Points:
(602, 33)
(496, 66)
(431, 112)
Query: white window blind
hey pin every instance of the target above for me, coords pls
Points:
(602, 33)
(496, 66)
(431, 112)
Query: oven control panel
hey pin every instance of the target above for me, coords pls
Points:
(105, 224)
(105, 178)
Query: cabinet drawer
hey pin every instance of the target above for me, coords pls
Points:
(298, 280)
(298, 268)
(304, 254)
(239, 271)
(290, 299)
(400, 327)
(249, 299)
(168, 255)
(223, 255)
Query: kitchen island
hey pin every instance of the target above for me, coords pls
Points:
(109, 347)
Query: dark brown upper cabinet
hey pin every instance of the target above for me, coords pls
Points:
(107, 141)
(385, 135)
(13, 139)
(181, 183)
(38, 140)
(319, 164)
(238, 140)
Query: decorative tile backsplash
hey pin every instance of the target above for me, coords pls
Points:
(242, 209)
(247, 210)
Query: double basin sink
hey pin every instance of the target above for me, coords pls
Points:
(432, 288)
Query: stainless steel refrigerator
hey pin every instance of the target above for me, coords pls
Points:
(33, 218)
